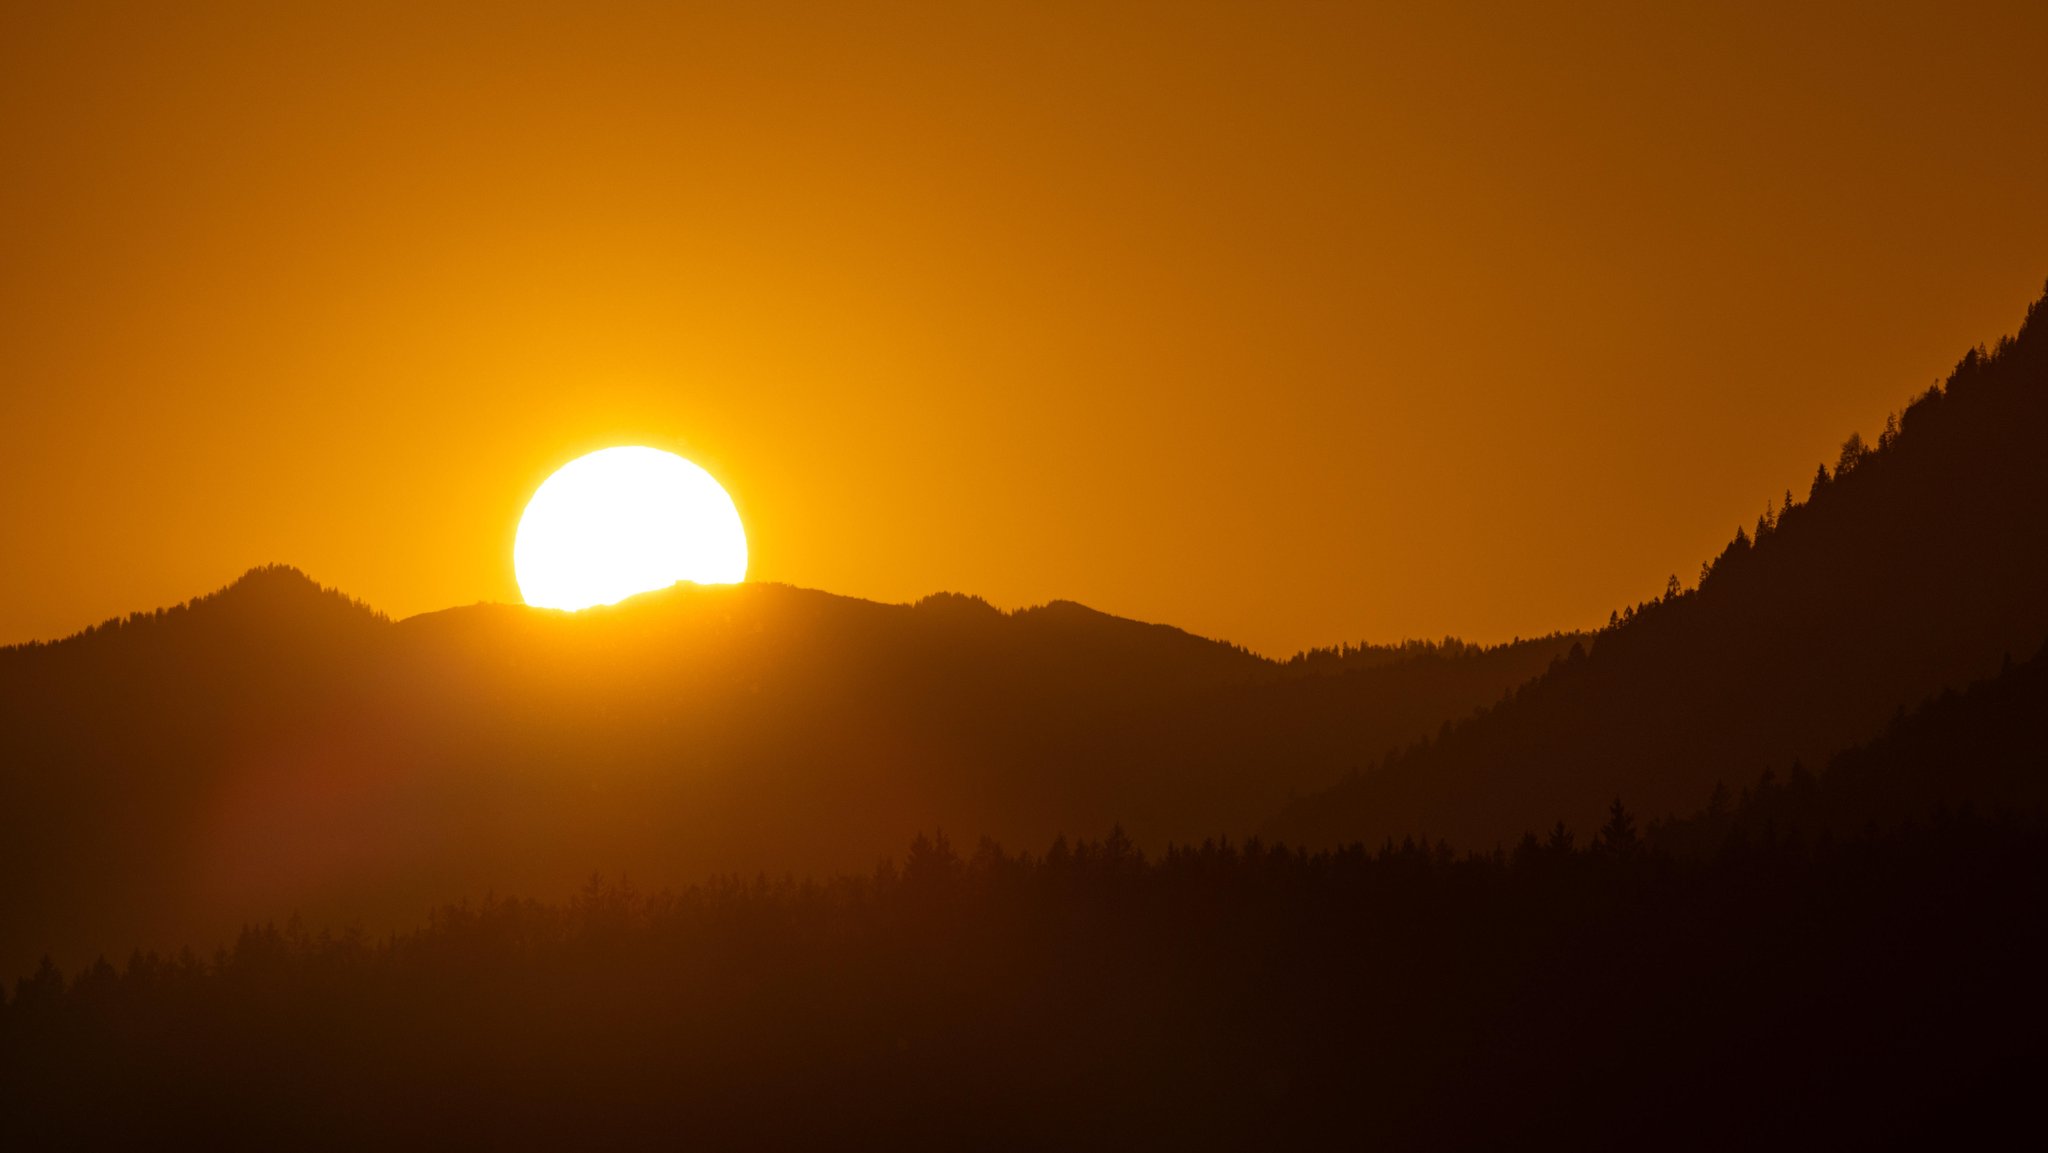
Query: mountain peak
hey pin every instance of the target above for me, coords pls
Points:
(281, 589)
(274, 576)
(275, 598)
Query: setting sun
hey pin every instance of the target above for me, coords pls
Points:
(622, 521)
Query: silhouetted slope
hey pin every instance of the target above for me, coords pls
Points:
(1984, 750)
(277, 747)
(1915, 566)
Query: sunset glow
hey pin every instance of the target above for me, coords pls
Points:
(1422, 574)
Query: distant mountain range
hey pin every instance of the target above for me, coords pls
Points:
(276, 747)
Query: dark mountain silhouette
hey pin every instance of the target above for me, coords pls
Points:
(277, 747)
(1914, 565)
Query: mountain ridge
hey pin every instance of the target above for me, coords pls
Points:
(1914, 566)
(277, 746)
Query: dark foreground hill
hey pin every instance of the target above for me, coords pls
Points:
(1876, 993)
(277, 747)
(1913, 566)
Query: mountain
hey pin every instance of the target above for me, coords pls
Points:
(277, 747)
(1915, 565)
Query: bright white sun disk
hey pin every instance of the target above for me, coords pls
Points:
(622, 521)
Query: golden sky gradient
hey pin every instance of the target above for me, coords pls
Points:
(1283, 323)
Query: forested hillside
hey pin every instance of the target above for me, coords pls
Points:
(1912, 565)
(1982, 751)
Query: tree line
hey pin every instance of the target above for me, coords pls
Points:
(1594, 990)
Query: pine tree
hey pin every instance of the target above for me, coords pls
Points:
(1618, 835)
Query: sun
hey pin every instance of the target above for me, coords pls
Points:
(622, 521)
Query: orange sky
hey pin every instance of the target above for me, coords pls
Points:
(1287, 324)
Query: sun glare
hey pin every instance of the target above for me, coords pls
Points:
(622, 521)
